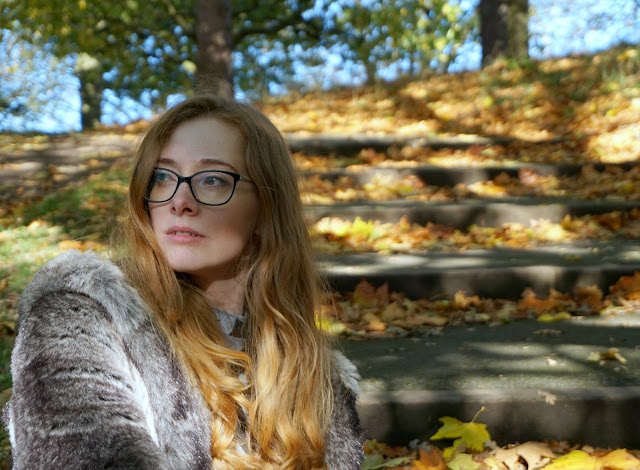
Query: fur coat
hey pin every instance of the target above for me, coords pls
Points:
(95, 386)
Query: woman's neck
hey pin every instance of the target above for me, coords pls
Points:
(227, 293)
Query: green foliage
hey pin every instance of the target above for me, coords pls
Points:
(6, 344)
(427, 33)
(140, 45)
(31, 80)
(152, 45)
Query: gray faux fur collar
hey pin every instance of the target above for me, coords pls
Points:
(94, 384)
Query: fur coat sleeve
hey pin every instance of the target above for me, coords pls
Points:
(95, 386)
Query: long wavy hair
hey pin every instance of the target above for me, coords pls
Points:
(287, 398)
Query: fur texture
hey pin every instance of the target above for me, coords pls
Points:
(94, 384)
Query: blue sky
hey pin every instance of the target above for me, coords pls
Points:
(557, 28)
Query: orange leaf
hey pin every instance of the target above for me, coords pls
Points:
(431, 460)
(590, 296)
(612, 220)
(367, 296)
(628, 286)
(364, 295)
(531, 302)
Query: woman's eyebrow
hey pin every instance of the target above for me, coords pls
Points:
(215, 161)
(166, 161)
(203, 162)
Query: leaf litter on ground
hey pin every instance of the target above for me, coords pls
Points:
(336, 235)
(473, 449)
(370, 312)
(613, 183)
(586, 105)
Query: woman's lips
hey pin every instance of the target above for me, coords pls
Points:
(183, 234)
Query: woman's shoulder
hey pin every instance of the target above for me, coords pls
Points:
(81, 273)
(346, 372)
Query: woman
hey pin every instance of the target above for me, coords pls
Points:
(199, 349)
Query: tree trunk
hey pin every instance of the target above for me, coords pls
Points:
(504, 29)
(519, 29)
(214, 72)
(89, 71)
(371, 66)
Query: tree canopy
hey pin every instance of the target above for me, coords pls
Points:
(152, 46)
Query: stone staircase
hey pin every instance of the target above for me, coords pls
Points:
(408, 385)
(425, 274)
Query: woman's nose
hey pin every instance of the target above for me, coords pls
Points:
(183, 200)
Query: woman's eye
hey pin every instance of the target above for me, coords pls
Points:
(162, 178)
(212, 180)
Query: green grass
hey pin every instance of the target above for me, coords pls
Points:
(5, 450)
(36, 232)
(6, 345)
(84, 211)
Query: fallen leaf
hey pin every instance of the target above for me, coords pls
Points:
(548, 317)
(374, 323)
(372, 462)
(391, 312)
(590, 296)
(420, 319)
(549, 398)
(367, 296)
(532, 303)
(533, 453)
(472, 435)
(612, 220)
(430, 460)
(378, 461)
(628, 287)
(548, 332)
(574, 460)
(612, 354)
(620, 459)
(464, 462)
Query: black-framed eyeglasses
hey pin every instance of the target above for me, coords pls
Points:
(211, 188)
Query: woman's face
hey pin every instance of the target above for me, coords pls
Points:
(205, 241)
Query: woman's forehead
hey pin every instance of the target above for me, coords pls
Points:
(205, 142)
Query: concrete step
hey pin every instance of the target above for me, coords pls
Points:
(534, 379)
(450, 176)
(352, 143)
(494, 273)
(467, 212)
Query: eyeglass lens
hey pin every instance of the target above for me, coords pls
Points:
(208, 187)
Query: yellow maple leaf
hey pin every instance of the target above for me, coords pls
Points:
(473, 435)
(620, 460)
(464, 462)
(574, 460)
